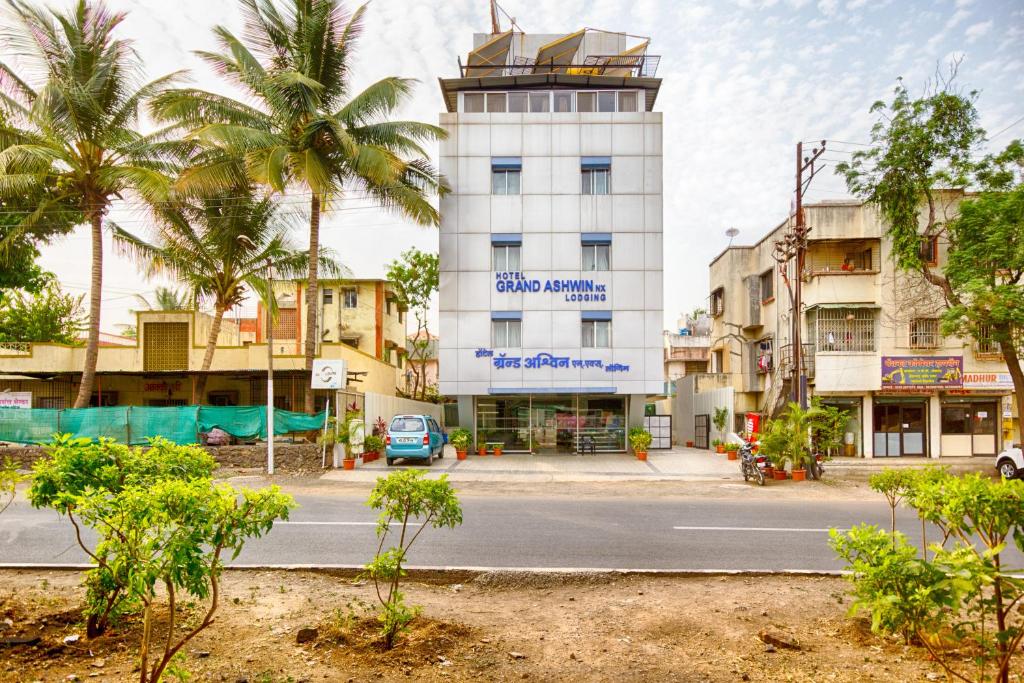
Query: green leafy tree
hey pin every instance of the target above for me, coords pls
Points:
(894, 485)
(9, 478)
(74, 467)
(220, 247)
(307, 128)
(416, 277)
(403, 498)
(924, 152)
(963, 601)
(174, 533)
(788, 437)
(71, 139)
(166, 299)
(50, 315)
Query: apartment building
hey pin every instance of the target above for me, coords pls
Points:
(551, 240)
(871, 341)
(361, 313)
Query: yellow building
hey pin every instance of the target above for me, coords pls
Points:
(360, 323)
(870, 338)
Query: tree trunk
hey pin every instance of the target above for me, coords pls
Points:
(95, 291)
(199, 386)
(1012, 359)
(312, 297)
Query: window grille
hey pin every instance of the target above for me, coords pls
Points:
(767, 286)
(286, 325)
(984, 344)
(165, 346)
(351, 297)
(845, 329)
(717, 304)
(924, 333)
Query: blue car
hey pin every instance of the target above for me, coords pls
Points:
(417, 437)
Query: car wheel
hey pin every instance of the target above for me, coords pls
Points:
(390, 461)
(430, 459)
(1007, 469)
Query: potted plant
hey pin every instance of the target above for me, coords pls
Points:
(720, 419)
(719, 445)
(348, 434)
(481, 442)
(640, 440)
(732, 450)
(689, 444)
(460, 438)
(497, 448)
(372, 446)
(778, 461)
(799, 471)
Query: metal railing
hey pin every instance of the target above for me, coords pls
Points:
(639, 66)
(785, 360)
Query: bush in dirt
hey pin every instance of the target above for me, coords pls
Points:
(405, 497)
(73, 467)
(963, 596)
(9, 478)
(173, 534)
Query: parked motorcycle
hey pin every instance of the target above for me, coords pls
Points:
(751, 464)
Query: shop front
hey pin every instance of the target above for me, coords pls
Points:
(853, 407)
(547, 424)
(970, 425)
(900, 426)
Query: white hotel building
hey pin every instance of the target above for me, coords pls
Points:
(551, 240)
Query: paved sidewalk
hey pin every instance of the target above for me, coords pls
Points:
(678, 464)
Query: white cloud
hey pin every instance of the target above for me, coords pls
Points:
(855, 4)
(975, 31)
(828, 7)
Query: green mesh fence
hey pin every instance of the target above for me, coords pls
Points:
(96, 422)
(28, 426)
(135, 424)
(177, 424)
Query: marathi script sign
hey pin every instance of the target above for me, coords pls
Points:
(16, 399)
(546, 360)
(922, 372)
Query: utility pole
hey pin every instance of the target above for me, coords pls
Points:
(793, 247)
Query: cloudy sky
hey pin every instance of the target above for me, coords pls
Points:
(743, 81)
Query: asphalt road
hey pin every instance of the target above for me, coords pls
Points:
(532, 532)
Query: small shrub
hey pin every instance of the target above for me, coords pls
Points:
(373, 444)
(74, 467)
(9, 478)
(461, 438)
(405, 497)
(639, 438)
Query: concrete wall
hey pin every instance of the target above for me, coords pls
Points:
(386, 407)
(551, 213)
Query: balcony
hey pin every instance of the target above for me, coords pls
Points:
(843, 257)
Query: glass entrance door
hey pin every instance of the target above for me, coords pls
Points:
(554, 425)
(984, 437)
(899, 429)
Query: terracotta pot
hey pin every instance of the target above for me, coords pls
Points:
(497, 451)
(482, 450)
(799, 475)
(732, 454)
(779, 475)
(769, 472)
(720, 449)
(641, 455)
(461, 455)
(349, 463)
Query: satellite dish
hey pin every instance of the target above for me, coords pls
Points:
(730, 233)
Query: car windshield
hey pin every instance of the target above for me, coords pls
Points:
(407, 424)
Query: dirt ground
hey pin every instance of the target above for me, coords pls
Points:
(490, 627)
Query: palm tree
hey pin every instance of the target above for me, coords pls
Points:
(219, 247)
(72, 137)
(308, 129)
(165, 299)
